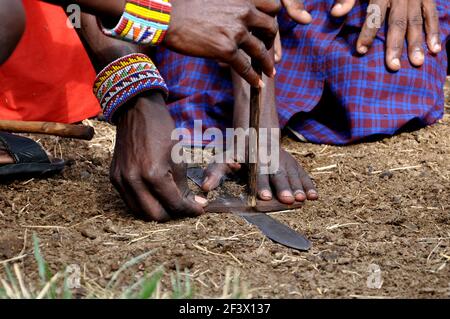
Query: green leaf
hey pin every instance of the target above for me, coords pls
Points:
(149, 286)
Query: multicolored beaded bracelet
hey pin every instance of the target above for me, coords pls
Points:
(125, 78)
(143, 22)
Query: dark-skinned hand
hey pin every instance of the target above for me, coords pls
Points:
(224, 30)
(142, 170)
(406, 20)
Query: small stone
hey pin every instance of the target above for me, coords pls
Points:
(109, 227)
(88, 233)
(85, 174)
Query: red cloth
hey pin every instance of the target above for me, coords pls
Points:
(49, 77)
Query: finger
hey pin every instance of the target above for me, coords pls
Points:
(179, 173)
(269, 7)
(308, 185)
(263, 186)
(396, 34)
(129, 201)
(376, 14)
(432, 26)
(278, 49)
(263, 26)
(342, 7)
(241, 64)
(165, 189)
(138, 193)
(296, 10)
(280, 182)
(415, 33)
(258, 52)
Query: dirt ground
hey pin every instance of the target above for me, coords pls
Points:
(385, 203)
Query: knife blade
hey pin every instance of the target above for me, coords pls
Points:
(277, 231)
(269, 226)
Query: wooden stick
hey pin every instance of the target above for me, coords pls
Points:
(81, 132)
(253, 152)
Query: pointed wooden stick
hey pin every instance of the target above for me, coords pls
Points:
(253, 145)
(81, 132)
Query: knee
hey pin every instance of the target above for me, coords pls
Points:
(12, 26)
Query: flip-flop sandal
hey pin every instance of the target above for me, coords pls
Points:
(30, 160)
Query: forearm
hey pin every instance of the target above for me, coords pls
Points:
(12, 26)
(105, 8)
(101, 48)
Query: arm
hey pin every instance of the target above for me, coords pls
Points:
(103, 8)
(142, 171)
(215, 29)
(12, 26)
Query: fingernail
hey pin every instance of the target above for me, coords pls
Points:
(305, 15)
(202, 201)
(437, 48)
(338, 6)
(436, 44)
(274, 70)
(396, 62)
(363, 49)
(261, 84)
(418, 55)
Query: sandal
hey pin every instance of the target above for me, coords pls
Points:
(30, 159)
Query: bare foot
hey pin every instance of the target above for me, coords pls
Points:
(291, 183)
(5, 158)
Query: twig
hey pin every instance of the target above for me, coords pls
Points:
(340, 225)
(397, 169)
(234, 257)
(149, 235)
(44, 227)
(445, 256)
(47, 287)
(433, 250)
(24, 291)
(325, 168)
(4, 262)
(371, 297)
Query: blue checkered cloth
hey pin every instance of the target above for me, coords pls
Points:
(326, 92)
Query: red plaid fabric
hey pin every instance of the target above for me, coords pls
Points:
(325, 91)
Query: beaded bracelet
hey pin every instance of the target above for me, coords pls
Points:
(143, 22)
(125, 78)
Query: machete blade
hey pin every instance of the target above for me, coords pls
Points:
(269, 226)
(277, 231)
(196, 174)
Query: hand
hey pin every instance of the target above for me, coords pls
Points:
(278, 49)
(218, 29)
(296, 10)
(142, 170)
(405, 20)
